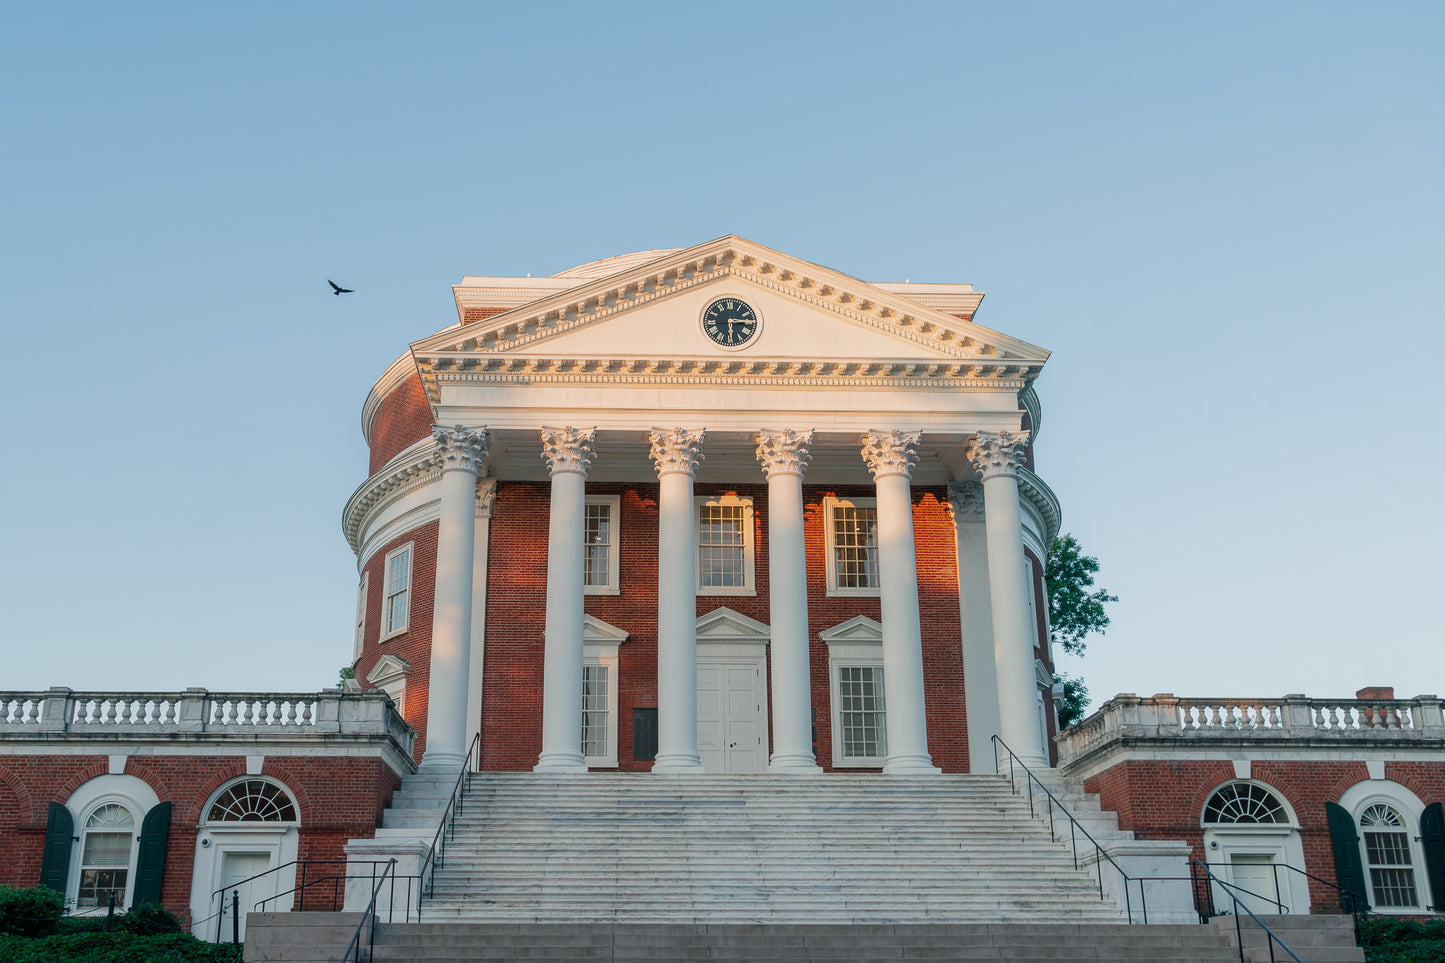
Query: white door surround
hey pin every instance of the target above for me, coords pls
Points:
(732, 692)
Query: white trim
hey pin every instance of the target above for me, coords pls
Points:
(1280, 842)
(1363, 795)
(749, 539)
(389, 675)
(133, 795)
(614, 554)
(856, 643)
(387, 594)
(830, 506)
(726, 637)
(600, 642)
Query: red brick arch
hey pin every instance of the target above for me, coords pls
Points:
(81, 777)
(25, 811)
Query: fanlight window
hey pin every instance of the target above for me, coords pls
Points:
(105, 857)
(253, 801)
(1244, 802)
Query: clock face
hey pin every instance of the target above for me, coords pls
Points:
(730, 322)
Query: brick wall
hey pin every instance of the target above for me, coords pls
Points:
(338, 798)
(516, 608)
(402, 419)
(1165, 800)
(414, 645)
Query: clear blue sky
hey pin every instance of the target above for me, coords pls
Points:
(1224, 219)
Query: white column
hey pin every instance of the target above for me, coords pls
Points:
(980, 677)
(997, 455)
(568, 452)
(784, 455)
(890, 456)
(462, 453)
(676, 453)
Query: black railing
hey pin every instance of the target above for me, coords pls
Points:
(1230, 889)
(337, 883)
(303, 866)
(1075, 829)
(1350, 901)
(367, 922)
(436, 856)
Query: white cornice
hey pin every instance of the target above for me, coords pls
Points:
(395, 479)
(1030, 400)
(1039, 495)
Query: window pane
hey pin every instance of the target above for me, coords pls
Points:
(855, 546)
(1387, 852)
(598, 539)
(594, 710)
(106, 849)
(861, 712)
(398, 591)
(720, 546)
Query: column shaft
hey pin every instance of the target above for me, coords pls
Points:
(1013, 636)
(461, 452)
(783, 454)
(569, 452)
(676, 455)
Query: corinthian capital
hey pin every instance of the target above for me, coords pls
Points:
(784, 452)
(966, 501)
(568, 449)
(460, 448)
(891, 452)
(676, 449)
(998, 452)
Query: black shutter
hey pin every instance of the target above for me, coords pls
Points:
(150, 865)
(55, 861)
(1432, 839)
(644, 734)
(1349, 874)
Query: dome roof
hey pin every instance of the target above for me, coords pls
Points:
(609, 266)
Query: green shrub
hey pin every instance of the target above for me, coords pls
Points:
(149, 919)
(116, 948)
(1390, 939)
(29, 912)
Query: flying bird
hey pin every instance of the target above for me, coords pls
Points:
(337, 289)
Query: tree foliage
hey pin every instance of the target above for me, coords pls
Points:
(1074, 702)
(1074, 611)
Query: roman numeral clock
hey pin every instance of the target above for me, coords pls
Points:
(731, 323)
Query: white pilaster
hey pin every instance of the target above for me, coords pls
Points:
(980, 676)
(462, 452)
(997, 456)
(476, 664)
(568, 452)
(784, 454)
(676, 453)
(890, 456)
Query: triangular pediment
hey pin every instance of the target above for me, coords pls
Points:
(860, 628)
(597, 631)
(646, 320)
(722, 624)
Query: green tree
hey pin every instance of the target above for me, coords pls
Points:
(1074, 613)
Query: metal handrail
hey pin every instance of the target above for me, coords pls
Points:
(336, 900)
(369, 914)
(1350, 901)
(436, 856)
(220, 916)
(1074, 826)
(1239, 933)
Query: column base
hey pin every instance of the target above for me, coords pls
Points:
(912, 764)
(449, 761)
(561, 762)
(794, 763)
(678, 762)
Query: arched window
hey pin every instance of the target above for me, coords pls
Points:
(1244, 803)
(1387, 856)
(105, 856)
(252, 801)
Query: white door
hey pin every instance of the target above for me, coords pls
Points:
(731, 727)
(1253, 874)
(236, 872)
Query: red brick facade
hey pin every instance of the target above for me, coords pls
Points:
(1165, 800)
(401, 420)
(337, 799)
